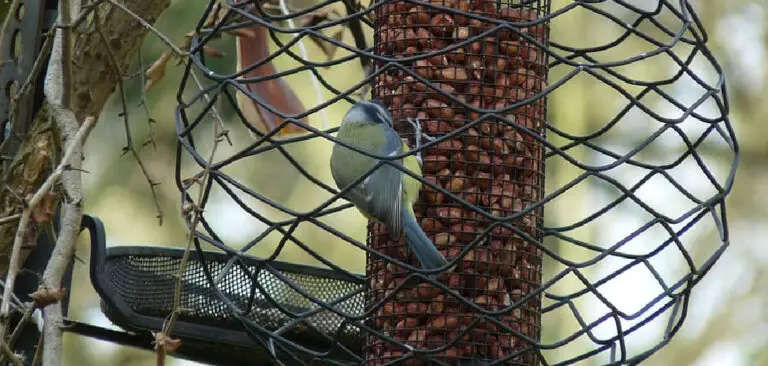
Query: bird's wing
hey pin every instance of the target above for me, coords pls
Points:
(384, 188)
(378, 196)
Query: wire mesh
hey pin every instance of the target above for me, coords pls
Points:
(476, 75)
(494, 165)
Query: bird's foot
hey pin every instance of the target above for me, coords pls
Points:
(416, 124)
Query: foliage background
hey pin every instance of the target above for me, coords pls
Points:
(727, 322)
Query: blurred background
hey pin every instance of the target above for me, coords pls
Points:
(727, 323)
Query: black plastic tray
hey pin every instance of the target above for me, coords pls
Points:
(136, 286)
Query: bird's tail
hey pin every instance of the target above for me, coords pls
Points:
(422, 247)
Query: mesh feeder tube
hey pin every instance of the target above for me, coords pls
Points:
(495, 167)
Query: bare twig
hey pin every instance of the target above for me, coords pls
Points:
(85, 12)
(64, 166)
(30, 308)
(129, 140)
(143, 103)
(14, 299)
(65, 21)
(218, 135)
(163, 339)
(11, 218)
(7, 23)
(8, 353)
(38, 350)
(36, 148)
(26, 215)
(160, 351)
(163, 345)
(214, 111)
(195, 221)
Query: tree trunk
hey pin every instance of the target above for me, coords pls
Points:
(94, 78)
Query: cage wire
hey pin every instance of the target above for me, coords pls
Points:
(633, 191)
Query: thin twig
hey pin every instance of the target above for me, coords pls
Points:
(86, 10)
(14, 299)
(305, 55)
(129, 140)
(160, 351)
(30, 308)
(218, 136)
(39, 350)
(65, 21)
(185, 258)
(143, 103)
(11, 218)
(214, 111)
(7, 23)
(8, 353)
(176, 50)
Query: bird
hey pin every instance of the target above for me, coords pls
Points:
(387, 194)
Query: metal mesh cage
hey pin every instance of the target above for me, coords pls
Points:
(476, 76)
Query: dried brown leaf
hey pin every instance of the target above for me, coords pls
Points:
(242, 32)
(274, 92)
(47, 296)
(43, 212)
(167, 343)
(156, 72)
(210, 51)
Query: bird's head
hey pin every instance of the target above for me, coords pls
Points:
(369, 111)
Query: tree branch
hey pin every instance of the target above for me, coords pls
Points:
(26, 215)
(82, 91)
(93, 82)
(69, 227)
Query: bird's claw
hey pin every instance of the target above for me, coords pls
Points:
(416, 124)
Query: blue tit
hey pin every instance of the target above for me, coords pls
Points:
(387, 194)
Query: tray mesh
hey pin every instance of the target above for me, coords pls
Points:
(145, 283)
